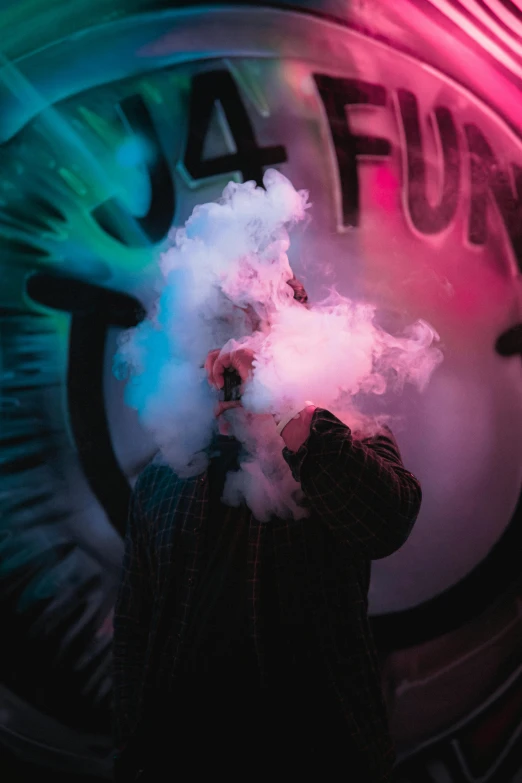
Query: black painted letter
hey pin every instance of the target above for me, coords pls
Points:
(93, 310)
(487, 177)
(250, 159)
(115, 220)
(427, 218)
(336, 94)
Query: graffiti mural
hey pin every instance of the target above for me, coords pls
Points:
(404, 127)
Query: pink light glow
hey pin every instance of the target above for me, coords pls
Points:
(505, 16)
(385, 189)
(478, 36)
(497, 29)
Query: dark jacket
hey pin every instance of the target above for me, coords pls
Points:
(363, 504)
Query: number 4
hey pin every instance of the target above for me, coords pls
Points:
(249, 158)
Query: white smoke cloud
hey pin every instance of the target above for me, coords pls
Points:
(225, 283)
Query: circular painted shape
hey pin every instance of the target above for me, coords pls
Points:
(414, 185)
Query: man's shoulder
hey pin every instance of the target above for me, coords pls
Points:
(154, 482)
(154, 476)
(157, 487)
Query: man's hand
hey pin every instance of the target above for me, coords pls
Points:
(241, 360)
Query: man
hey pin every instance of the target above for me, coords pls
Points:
(243, 648)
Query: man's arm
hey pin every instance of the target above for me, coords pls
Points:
(132, 617)
(359, 488)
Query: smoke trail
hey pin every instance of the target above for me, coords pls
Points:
(225, 283)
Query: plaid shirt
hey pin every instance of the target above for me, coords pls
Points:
(363, 504)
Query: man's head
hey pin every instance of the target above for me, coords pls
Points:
(300, 295)
(299, 291)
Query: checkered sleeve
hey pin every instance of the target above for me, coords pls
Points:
(359, 488)
(132, 617)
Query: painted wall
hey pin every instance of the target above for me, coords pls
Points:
(403, 121)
